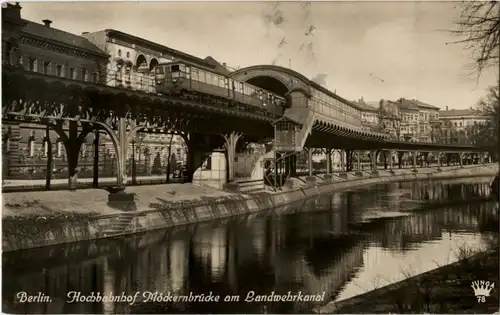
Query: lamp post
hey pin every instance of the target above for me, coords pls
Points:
(48, 145)
(134, 171)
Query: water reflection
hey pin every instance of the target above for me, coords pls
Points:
(347, 243)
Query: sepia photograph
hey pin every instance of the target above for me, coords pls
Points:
(250, 157)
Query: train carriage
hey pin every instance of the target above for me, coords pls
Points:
(183, 77)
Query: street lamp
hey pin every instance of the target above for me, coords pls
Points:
(134, 177)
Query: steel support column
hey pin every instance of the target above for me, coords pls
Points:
(121, 153)
(415, 153)
(231, 141)
(49, 158)
(342, 160)
(293, 166)
(439, 160)
(391, 153)
(358, 160)
(95, 180)
(373, 156)
(328, 161)
(310, 161)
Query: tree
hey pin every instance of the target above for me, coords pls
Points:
(140, 140)
(169, 166)
(486, 135)
(436, 131)
(479, 26)
(156, 164)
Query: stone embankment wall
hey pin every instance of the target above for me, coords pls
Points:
(39, 233)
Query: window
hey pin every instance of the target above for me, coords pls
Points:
(85, 74)
(72, 73)
(208, 78)
(83, 150)
(60, 146)
(45, 147)
(31, 64)
(7, 145)
(119, 52)
(174, 68)
(128, 54)
(208, 163)
(159, 70)
(59, 71)
(201, 76)
(194, 75)
(46, 67)
(31, 144)
(95, 77)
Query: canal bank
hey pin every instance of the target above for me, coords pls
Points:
(445, 290)
(43, 226)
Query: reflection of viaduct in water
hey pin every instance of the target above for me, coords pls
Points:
(426, 226)
(312, 252)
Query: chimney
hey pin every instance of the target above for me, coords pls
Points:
(224, 65)
(447, 107)
(12, 10)
(47, 22)
(84, 33)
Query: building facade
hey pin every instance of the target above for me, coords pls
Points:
(458, 125)
(404, 119)
(44, 49)
(369, 115)
(428, 124)
(409, 120)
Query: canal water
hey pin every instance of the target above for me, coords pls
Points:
(336, 246)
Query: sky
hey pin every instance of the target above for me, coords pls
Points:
(374, 50)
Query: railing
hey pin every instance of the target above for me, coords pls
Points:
(130, 80)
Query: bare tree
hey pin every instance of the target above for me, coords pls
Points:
(487, 134)
(479, 26)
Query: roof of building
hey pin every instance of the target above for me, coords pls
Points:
(460, 113)
(158, 47)
(218, 66)
(56, 35)
(407, 104)
(367, 106)
(424, 105)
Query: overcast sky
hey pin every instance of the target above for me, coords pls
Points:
(372, 50)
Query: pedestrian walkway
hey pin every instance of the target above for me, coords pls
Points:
(64, 181)
(95, 200)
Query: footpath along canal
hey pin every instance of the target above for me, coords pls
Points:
(337, 245)
(38, 219)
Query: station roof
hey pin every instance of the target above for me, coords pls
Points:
(59, 36)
